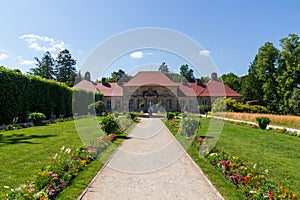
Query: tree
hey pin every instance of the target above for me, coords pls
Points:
(251, 86)
(187, 73)
(174, 77)
(266, 67)
(45, 67)
(232, 81)
(164, 68)
(65, 68)
(289, 70)
(118, 76)
(294, 101)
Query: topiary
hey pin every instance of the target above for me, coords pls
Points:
(263, 122)
(37, 118)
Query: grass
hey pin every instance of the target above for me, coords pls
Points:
(288, 121)
(25, 150)
(278, 153)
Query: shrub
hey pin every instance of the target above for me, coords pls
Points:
(204, 109)
(188, 126)
(97, 107)
(219, 105)
(263, 122)
(170, 115)
(109, 124)
(133, 116)
(37, 118)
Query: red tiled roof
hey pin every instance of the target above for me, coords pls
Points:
(86, 85)
(150, 78)
(186, 90)
(110, 89)
(217, 88)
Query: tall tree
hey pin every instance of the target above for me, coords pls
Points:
(289, 70)
(251, 86)
(232, 81)
(164, 68)
(294, 101)
(45, 67)
(267, 72)
(65, 68)
(187, 73)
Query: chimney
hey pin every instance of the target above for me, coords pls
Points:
(214, 76)
(87, 76)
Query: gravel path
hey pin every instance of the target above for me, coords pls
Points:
(150, 165)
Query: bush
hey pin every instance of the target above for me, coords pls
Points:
(263, 122)
(97, 107)
(170, 115)
(133, 116)
(109, 124)
(188, 126)
(204, 109)
(37, 118)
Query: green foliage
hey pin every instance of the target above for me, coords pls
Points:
(263, 122)
(189, 125)
(133, 116)
(45, 67)
(109, 125)
(37, 118)
(83, 102)
(294, 101)
(204, 109)
(65, 68)
(164, 68)
(273, 75)
(97, 107)
(228, 104)
(219, 105)
(187, 73)
(170, 115)
(232, 81)
(23, 93)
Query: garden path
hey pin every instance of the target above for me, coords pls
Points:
(150, 165)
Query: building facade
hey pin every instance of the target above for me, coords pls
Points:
(152, 91)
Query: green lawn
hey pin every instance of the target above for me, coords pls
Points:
(278, 153)
(25, 150)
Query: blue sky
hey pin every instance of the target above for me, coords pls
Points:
(230, 31)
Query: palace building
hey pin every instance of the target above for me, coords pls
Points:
(152, 91)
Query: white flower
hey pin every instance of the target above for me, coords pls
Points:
(267, 172)
(6, 187)
(55, 156)
(254, 166)
(12, 190)
(63, 148)
(68, 150)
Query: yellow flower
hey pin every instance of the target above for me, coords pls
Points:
(23, 186)
(83, 162)
(26, 195)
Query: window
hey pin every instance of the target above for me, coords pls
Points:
(118, 105)
(108, 105)
(204, 102)
(130, 104)
(139, 101)
(161, 102)
(182, 103)
(191, 105)
(169, 106)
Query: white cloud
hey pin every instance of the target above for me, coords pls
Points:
(42, 43)
(3, 56)
(23, 61)
(137, 54)
(204, 53)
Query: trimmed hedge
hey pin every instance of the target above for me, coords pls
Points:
(22, 94)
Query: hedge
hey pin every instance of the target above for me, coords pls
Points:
(22, 94)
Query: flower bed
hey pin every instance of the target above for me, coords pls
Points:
(52, 178)
(250, 180)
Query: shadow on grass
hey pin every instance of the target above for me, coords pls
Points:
(123, 137)
(21, 138)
